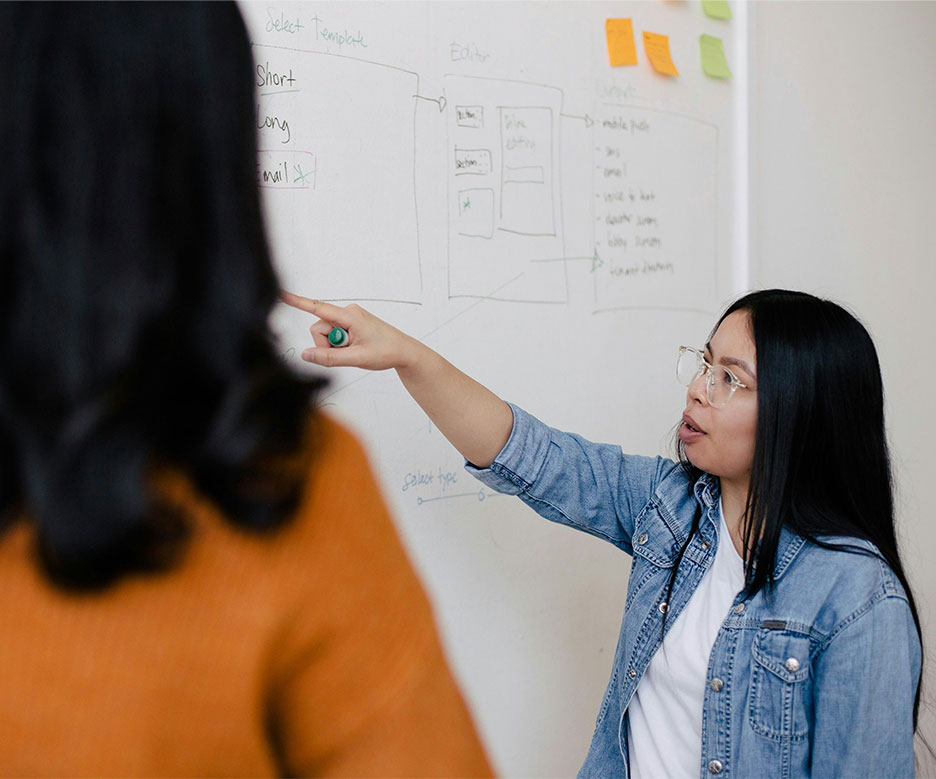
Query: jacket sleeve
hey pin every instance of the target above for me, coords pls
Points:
(592, 487)
(866, 680)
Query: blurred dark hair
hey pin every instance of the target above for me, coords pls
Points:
(816, 470)
(135, 284)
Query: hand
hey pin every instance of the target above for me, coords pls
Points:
(374, 344)
(474, 419)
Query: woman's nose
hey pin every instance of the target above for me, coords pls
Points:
(697, 389)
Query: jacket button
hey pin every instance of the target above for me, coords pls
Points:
(716, 684)
(705, 545)
(642, 539)
(739, 608)
(715, 767)
(632, 673)
(663, 608)
(792, 665)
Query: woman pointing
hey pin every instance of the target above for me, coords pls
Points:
(765, 562)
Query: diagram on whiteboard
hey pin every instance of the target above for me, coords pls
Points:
(339, 177)
(657, 239)
(504, 190)
(338, 180)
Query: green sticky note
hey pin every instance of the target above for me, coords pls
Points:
(717, 9)
(713, 57)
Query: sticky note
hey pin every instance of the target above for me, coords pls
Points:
(717, 9)
(657, 48)
(713, 57)
(621, 47)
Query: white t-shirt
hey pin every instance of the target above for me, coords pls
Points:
(665, 715)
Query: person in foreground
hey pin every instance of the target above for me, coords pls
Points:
(198, 575)
(769, 629)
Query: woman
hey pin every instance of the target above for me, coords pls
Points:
(766, 557)
(198, 576)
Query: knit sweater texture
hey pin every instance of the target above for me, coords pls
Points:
(308, 651)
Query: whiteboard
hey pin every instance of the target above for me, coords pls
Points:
(479, 176)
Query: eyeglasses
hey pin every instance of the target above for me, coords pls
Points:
(720, 383)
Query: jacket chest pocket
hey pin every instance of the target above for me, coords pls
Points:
(655, 549)
(781, 686)
(653, 540)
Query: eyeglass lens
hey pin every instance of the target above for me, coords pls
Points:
(718, 389)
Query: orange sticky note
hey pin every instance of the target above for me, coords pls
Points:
(621, 47)
(657, 48)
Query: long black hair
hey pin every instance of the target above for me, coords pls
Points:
(814, 470)
(135, 284)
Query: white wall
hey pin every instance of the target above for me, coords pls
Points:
(843, 185)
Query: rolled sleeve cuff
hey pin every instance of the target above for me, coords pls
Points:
(521, 459)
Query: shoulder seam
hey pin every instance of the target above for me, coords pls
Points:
(858, 614)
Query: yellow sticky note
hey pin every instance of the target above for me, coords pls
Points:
(657, 48)
(621, 47)
(717, 9)
(713, 57)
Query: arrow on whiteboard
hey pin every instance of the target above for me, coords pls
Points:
(587, 119)
(440, 101)
(595, 260)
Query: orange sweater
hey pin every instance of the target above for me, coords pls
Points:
(310, 651)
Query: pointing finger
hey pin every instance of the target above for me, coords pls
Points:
(328, 311)
(297, 301)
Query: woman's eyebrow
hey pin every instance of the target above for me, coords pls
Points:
(731, 361)
(740, 363)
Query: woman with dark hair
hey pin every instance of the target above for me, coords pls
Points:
(198, 575)
(765, 563)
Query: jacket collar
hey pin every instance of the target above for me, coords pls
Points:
(788, 546)
(708, 490)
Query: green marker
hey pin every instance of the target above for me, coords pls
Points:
(338, 336)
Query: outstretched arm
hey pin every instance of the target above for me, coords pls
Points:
(474, 420)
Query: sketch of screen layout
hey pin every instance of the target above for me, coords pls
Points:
(655, 187)
(336, 168)
(504, 190)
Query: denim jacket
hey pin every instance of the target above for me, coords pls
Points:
(816, 678)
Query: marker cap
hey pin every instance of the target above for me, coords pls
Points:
(338, 336)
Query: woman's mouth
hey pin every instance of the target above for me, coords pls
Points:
(689, 431)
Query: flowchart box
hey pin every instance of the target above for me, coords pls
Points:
(526, 205)
(337, 175)
(469, 116)
(473, 162)
(655, 188)
(505, 241)
(476, 213)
